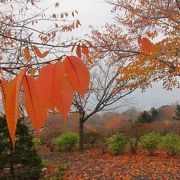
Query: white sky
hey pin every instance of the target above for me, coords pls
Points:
(91, 12)
(97, 13)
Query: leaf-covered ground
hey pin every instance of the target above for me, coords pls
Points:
(93, 164)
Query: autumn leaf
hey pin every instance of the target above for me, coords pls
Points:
(85, 49)
(27, 54)
(77, 73)
(145, 44)
(65, 99)
(11, 105)
(38, 52)
(35, 108)
(49, 84)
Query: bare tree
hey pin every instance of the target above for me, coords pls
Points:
(102, 95)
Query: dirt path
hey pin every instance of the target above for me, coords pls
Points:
(95, 165)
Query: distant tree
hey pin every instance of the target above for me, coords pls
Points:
(22, 159)
(145, 117)
(148, 117)
(154, 114)
(177, 112)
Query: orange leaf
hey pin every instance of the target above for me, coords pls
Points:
(11, 107)
(44, 54)
(27, 54)
(49, 83)
(85, 49)
(77, 73)
(36, 110)
(145, 44)
(38, 52)
(78, 50)
(65, 99)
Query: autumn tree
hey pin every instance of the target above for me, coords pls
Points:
(34, 66)
(142, 42)
(147, 32)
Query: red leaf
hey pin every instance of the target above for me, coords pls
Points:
(85, 49)
(35, 108)
(145, 44)
(27, 54)
(65, 99)
(12, 105)
(38, 52)
(77, 73)
(49, 84)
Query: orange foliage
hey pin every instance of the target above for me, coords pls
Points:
(135, 52)
(36, 110)
(49, 84)
(52, 89)
(27, 54)
(38, 52)
(11, 102)
(65, 98)
(77, 74)
(115, 122)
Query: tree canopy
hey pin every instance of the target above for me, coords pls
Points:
(146, 35)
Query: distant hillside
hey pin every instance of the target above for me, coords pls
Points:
(110, 120)
(167, 112)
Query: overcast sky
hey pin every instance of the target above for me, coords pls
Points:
(97, 13)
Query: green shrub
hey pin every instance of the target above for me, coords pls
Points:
(172, 143)
(66, 141)
(37, 142)
(150, 142)
(117, 143)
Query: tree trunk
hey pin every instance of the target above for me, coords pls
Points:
(134, 146)
(81, 131)
(81, 135)
(11, 163)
